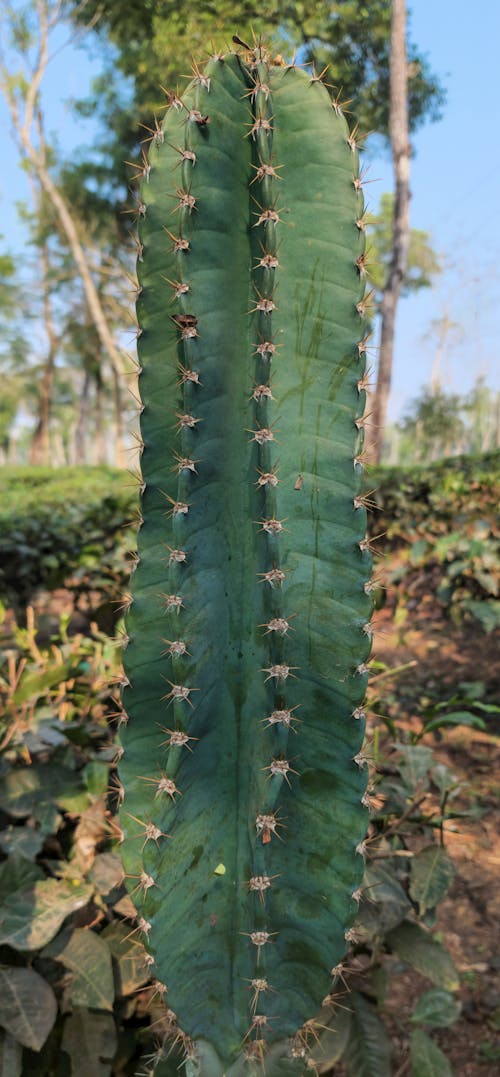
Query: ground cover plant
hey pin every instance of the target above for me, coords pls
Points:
(68, 923)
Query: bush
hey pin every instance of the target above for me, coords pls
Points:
(60, 524)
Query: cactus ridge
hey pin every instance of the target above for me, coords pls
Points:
(244, 807)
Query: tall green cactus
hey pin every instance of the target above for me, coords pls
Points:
(244, 804)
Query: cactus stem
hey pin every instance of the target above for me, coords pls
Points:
(267, 216)
(163, 785)
(197, 77)
(266, 349)
(185, 200)
(178, 691)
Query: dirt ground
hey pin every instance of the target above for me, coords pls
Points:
(469, 918)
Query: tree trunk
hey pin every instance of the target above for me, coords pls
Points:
(99, 444)
(82, 422)
(40, 443)
(398, 127)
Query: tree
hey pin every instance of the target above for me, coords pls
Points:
(30, 29)
(154, 42)
(423, 263)
(400, 145)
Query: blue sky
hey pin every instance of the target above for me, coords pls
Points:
(454, 178)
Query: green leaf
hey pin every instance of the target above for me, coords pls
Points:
(106, 873)
(16, 873)
(368, 1051)
(383, 904)
(427, 1060)
(87, 956)
(90, 1041)
(333, 1041)
(29, 1006)
(27, 790)
(423, 953)
(416, 761)
(31, 918)
(11, 1056)
(431, 874)
(456, 718)
(436, 1008)
(23, 840)
(128, 957)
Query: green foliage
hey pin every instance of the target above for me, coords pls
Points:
(423, 263)
(61, 526)
(444, 522)
(438, 424)
(242, 861)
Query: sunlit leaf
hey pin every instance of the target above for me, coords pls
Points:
(431, 874)
(415, 946)
(88, 958)
(30, 918)
(427, 1060)
(436, 1008)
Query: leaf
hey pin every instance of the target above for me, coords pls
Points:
(29, 1006)
(436, 1008)
(106, 873)
(88, 958)
(23, 840)
(333, 1041)
(368, 1052)
(11, 1056)
(415, 764)
(383, 905)
(128, 956)
(423, 953)
(26, 790)
(31, 918)
(431, 874)
(16, 873)
(427, 1060)
(456, 718)
(90, 1041)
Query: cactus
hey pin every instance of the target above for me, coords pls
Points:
(244, 807)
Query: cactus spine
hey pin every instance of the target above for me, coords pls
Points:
(243, 812)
